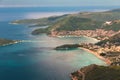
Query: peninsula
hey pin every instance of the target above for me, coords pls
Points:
(99, 25)
(4, 42)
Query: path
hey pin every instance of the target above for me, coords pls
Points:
(83, 75)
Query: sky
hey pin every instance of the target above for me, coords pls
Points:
(5, 3)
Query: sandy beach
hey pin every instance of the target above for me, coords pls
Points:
(107, 61)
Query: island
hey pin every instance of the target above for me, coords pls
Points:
(67, 47)
(4, 42)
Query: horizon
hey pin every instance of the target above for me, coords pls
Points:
(17, 6)
(54, 3)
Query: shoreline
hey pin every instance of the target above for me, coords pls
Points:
(10, 43)
(58, 36)
(107, 61)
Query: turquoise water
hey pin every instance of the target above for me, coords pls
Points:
(37, 60)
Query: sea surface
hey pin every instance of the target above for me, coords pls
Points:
(35, 58)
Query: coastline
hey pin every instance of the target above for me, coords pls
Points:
(60, 36)
(10, 43)
(107, 61)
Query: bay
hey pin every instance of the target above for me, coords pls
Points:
(35, 59)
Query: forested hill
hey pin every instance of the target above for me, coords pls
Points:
(108, 20)
(95, 72)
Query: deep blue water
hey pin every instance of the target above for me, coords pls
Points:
(36, 60)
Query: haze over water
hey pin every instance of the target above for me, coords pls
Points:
(37, 60)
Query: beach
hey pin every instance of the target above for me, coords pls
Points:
(107, 61)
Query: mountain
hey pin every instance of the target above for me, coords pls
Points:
(78, 21)
(87, 21)
(95, 72)
(72, 23)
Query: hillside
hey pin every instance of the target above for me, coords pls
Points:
(72, 23)
(78, 21)
(39, 22)
(115, 40)
(89, 21)
(95, 72)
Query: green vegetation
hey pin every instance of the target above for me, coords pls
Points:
(115, 39)
(79, 21)
(73, 23)
(39, 31)
(6, 42)
(40, 22)
(95, 72)
(100, 16)
(67, 47)
(114, 27)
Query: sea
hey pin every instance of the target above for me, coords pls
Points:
(35, 58)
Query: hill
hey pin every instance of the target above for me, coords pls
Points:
(39, 22)
(78, 21)
(72, 23)
(95, 72)
(87, 21)
(114, 40)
